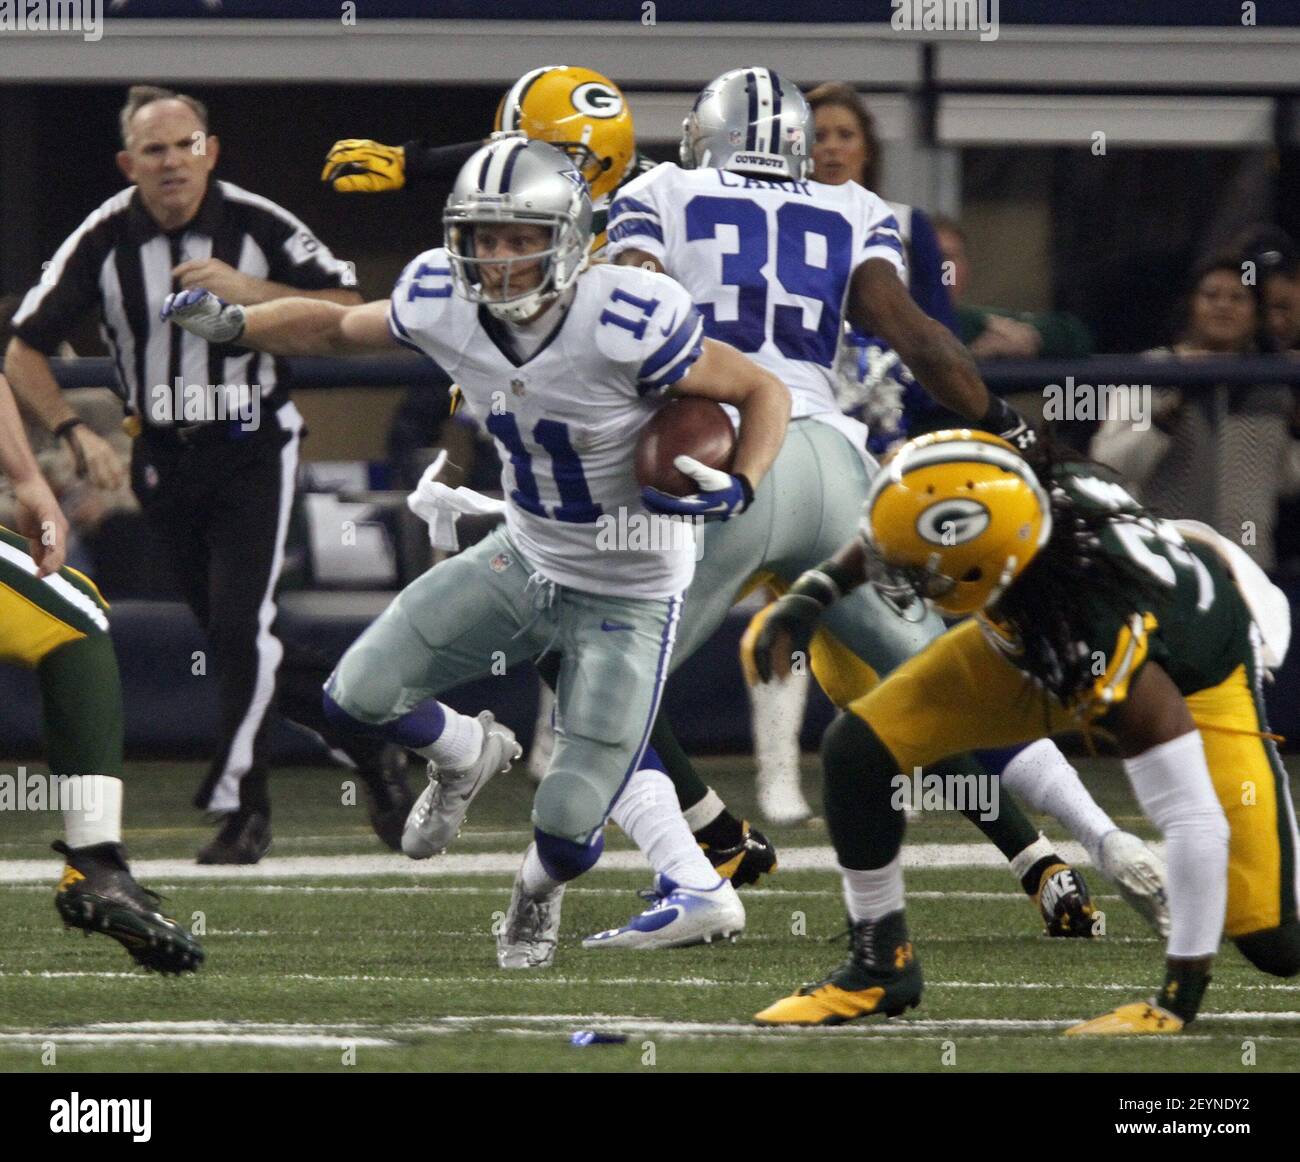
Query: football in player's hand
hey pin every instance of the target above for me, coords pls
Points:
(686, 426)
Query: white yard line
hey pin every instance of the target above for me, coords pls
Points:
(544, 980)
(815, 858)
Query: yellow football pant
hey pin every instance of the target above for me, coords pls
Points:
(959, 694)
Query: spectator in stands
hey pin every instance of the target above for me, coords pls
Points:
(996, 333)
(847, 149)
(1212, 454)
(1277, 269)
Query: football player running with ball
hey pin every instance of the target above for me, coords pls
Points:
(587, 116)
(775, 262)
(564, 365)
(1061, 568)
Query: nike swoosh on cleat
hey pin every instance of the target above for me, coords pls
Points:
(609, 626)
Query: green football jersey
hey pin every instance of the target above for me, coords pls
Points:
(1183, 610)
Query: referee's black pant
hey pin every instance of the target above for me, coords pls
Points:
(219, 499)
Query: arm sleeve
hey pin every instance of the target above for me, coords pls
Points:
(636, 220)
(673, 357)
(67, 290)
(437, 161)
(883, 239)
(927, 284)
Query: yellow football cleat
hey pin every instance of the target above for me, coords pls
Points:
(1129, 1020)
(881, 975)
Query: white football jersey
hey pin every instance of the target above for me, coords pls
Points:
(767, 262)
(566, 420)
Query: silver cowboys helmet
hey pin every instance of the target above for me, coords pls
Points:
(515, 180)
(749, 121)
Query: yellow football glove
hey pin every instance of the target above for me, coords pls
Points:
(360, 166)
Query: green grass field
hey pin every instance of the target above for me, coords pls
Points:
(335, 955)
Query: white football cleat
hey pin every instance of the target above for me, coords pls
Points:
(1140, 876)
(436, 818)
(679, 916)
(531, 929)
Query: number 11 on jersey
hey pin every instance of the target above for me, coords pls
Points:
(575, 505)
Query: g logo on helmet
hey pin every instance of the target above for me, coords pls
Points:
(594, 99)
(953, 521)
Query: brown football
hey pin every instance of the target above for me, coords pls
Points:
(686, 426)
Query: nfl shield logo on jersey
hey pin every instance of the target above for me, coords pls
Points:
(500, 563)
(517, 386)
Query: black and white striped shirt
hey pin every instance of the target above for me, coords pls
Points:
(120, 261)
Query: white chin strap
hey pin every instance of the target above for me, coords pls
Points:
(524, 308)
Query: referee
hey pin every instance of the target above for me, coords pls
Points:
(216, 460)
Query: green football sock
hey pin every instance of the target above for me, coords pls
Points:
(1010, 832)
(81, 699)
(688, 784)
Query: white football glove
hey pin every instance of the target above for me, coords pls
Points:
(201, 313)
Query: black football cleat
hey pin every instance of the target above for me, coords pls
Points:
(390, 798)
(744, 862)
(1065, 903)
(245, 837)
(98, 893)
(881, 977)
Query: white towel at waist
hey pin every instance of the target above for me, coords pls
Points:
(440, 505)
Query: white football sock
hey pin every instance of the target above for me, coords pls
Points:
(1173, 785)
(460, 742)
(536, 881)
(93, 810)
(649, 815)
(776, 714)
(1041, 848)
(868, 895)
(1042, 776)
(704, 812)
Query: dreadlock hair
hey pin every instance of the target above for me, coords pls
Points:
(1043, 603)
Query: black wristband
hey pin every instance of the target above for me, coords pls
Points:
(1001, 416)
(64, 428)
(747, 488)
(825, 584)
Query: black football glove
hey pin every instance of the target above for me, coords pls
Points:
(786, 631)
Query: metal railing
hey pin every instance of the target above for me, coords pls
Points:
(1002, 375)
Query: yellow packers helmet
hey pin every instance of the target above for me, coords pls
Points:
(580, 111)
(956, 515)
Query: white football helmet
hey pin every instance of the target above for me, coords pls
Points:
(513, 179)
